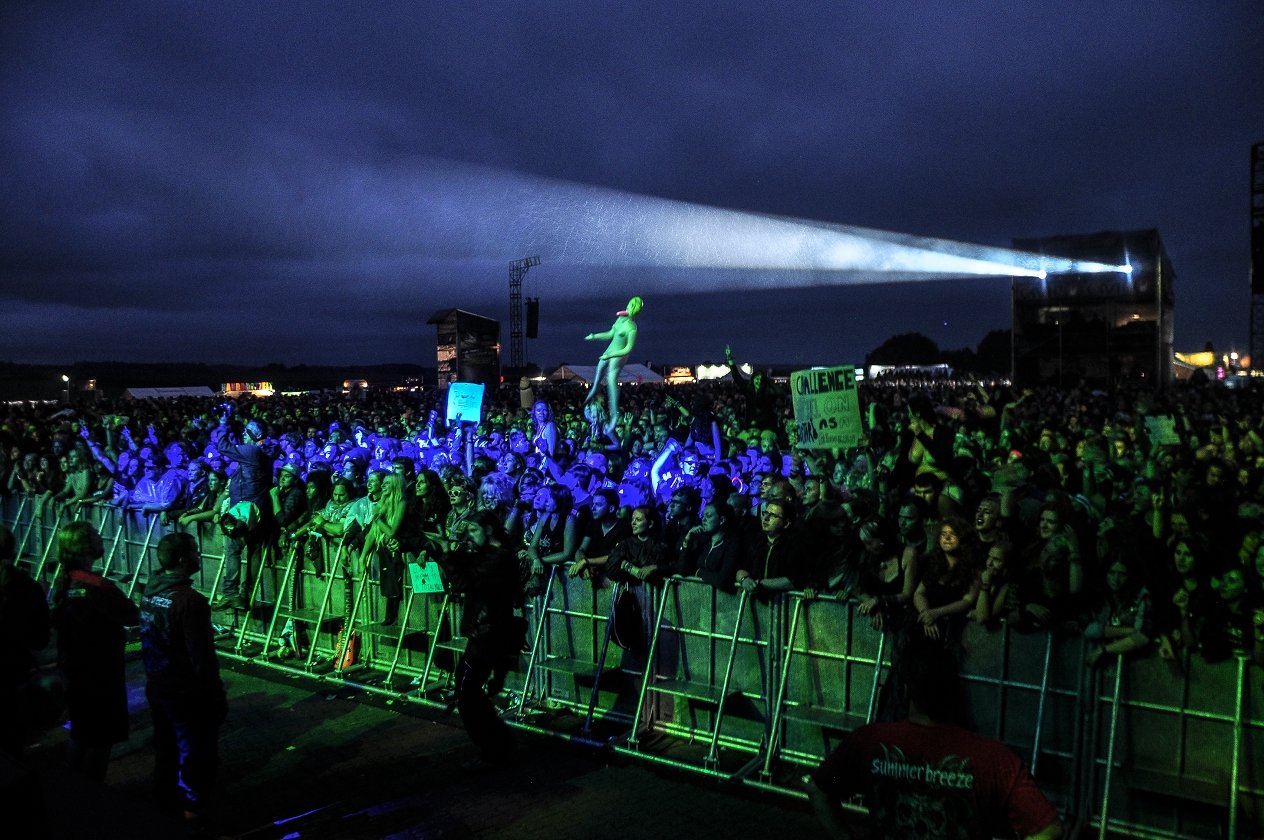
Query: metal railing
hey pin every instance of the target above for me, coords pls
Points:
(1135, 747)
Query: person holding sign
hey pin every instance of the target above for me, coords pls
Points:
(622, 338)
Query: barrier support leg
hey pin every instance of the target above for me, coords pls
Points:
(650, 665)
(1104, 816)
(1040, 703)
(713, 757)
(774, 731)
(541, 621)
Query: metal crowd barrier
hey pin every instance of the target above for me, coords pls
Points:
(749, 690)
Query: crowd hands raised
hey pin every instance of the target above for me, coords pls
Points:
(1052, 510)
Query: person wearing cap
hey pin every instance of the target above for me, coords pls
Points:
(157, 490)
(289, 497)
(252, 482)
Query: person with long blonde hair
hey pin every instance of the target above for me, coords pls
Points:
(385, 540)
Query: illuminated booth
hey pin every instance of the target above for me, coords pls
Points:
(241, 389)
(1104, 327)
(467, 347)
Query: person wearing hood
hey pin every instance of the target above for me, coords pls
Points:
(186, 696)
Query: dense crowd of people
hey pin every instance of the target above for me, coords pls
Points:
(1134, 519)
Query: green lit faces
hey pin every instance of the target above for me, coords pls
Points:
(1183, 559)
(1116, 577)
(1232, 585)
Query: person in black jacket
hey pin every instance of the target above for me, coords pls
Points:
(483, 568)
(90, 614)
(252, 482)
(713, 549)
(24, 624)
(186, 696)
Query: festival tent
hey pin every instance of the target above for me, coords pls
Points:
(167, 393)
(633, 374)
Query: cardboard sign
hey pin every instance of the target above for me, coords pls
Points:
(826, 408)
(426, 578)
(1162, 430)
(465, 402)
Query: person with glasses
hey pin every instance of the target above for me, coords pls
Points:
(461, 501)
(769, 565)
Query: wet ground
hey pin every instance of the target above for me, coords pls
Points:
(301, 759)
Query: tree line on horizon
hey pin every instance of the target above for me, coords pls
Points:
(991, 356)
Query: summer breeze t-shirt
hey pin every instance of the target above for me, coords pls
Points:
(935, 782)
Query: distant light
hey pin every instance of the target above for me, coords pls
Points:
(1126, 269)
(1042, 274)
(1136, 317)
(65, 378)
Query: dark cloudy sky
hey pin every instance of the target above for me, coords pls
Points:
(308, 182)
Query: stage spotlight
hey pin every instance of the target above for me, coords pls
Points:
(673, 246)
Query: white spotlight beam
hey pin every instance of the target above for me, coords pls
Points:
(450, 211)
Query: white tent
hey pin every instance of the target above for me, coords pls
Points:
(168, 393)
(633, 374)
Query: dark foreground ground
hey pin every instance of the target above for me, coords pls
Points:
(302, 760)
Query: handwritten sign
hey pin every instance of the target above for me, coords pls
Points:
(465, 402)
(426, 578)
(826, 407)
